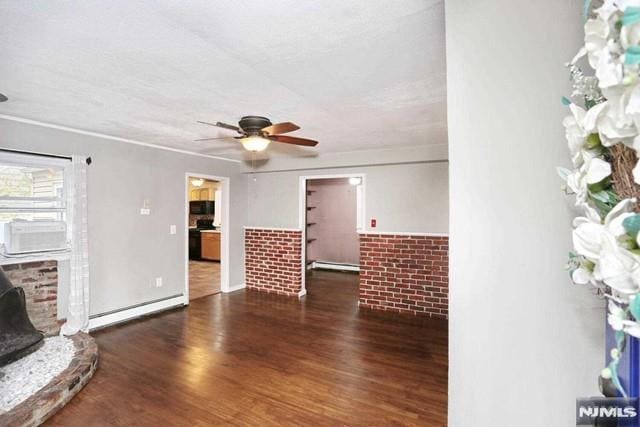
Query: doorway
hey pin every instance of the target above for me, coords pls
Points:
(331, 216)
(206, 248)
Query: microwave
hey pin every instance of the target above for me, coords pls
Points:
(202, 207)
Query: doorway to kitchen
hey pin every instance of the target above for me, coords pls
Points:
(331, 215)
(207, 242)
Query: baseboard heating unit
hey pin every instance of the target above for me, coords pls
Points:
(110, 318)
(325, 265)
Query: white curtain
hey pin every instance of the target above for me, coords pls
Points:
(78, 307)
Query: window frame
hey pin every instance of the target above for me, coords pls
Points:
(58, 203)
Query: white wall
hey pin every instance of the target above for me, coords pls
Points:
(524, 342)
(335, 221)
(410, 197)
(127, 251)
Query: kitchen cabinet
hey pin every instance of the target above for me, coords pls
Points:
(201, 194)
(210, 246)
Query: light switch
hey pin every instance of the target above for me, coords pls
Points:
(172, 229)
(145, 211)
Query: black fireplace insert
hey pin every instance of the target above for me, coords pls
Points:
(18, 336)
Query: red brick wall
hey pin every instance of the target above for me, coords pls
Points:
(40, 283)
(405, 274)
(273, 260)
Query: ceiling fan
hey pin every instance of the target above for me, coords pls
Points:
(256, 133)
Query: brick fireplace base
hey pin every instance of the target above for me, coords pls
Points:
(39, 280)
(52, 397)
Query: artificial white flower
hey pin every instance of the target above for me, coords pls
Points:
(575, 133)
(617, 319)
(596, 32)
(609, 121)
(633, 101)
(599, 243)
(583, 276)
(592, 171)
(616, 316)
(609, 70)
(618, 267)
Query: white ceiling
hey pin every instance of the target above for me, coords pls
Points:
(355, 75)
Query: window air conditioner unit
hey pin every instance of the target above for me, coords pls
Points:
(34, 236)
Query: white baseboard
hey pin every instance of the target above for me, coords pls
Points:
(109, 319)
(235, 288)
(302, 293)
(335, 266)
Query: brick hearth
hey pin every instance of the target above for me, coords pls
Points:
(52, 397)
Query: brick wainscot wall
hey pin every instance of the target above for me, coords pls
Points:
(273, 260)
(405, 274)
(40, 283)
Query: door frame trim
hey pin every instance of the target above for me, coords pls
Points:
(302, 213)
(225, 185)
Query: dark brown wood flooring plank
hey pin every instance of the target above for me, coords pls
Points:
(253, 359)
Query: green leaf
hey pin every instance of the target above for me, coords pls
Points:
(632, 225)
(634, 307)
(601, 196)
(563, 173)
(593, 141)
(631, 15)
(603, 200)
(603, 208)
(603, 185)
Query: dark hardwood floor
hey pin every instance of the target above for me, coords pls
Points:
(204, 279)
(253, 359)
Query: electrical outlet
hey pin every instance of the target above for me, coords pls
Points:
(158, 282)
(145, 211)
(172, 229)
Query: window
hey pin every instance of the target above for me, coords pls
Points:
(31, 189)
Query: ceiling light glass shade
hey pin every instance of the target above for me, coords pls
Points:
(197, 182)
(255, 143)
(355, 180)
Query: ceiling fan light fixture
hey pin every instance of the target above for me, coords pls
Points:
(255, 143)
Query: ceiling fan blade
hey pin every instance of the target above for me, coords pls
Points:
(279, 128)
(293, 140)
(211, 139)
(221, 125)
